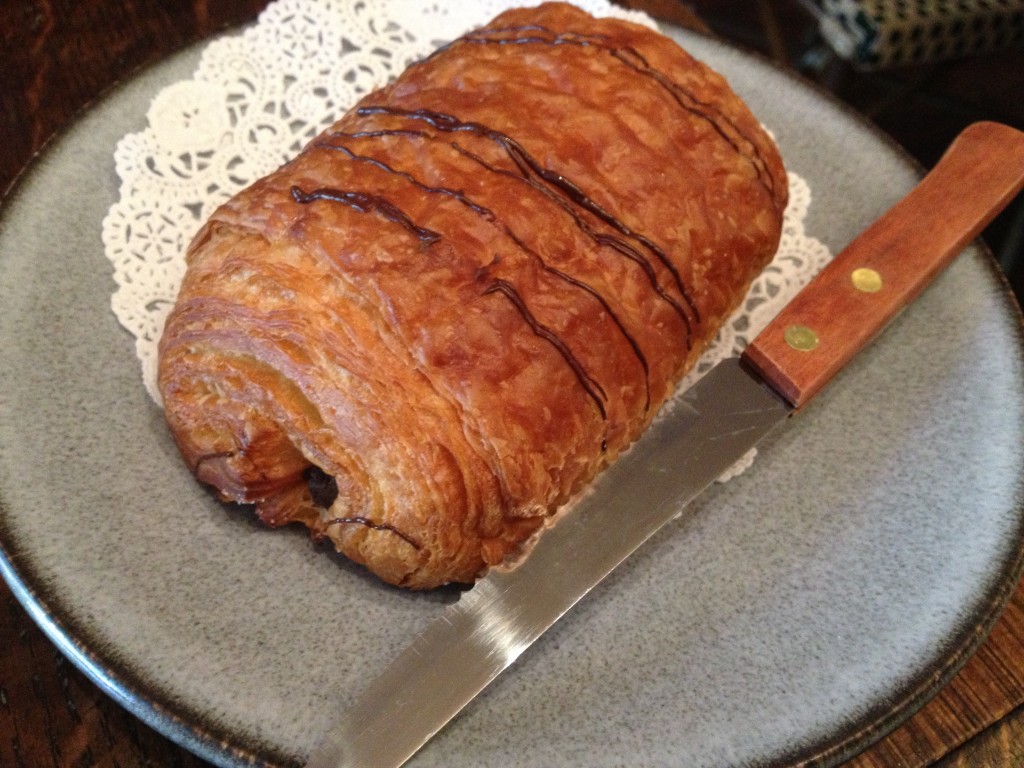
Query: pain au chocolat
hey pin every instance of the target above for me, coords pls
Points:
(440, 321)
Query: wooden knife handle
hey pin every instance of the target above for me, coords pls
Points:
(868, 283)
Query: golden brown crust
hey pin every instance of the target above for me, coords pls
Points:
(470, 294)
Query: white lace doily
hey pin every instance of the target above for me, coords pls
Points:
(258, 97)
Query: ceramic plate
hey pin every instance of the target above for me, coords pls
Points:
(797, 611)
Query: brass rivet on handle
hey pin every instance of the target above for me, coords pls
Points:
(801, 338)
(866, 280)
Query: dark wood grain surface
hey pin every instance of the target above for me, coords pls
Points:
(58, 56)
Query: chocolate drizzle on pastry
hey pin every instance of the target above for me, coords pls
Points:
(629, 56)
(490, 216)
(365, 203)
(616, 243)
(590, 386)
(367, 523)
(531, 170)
(558, 188)
(324, 491)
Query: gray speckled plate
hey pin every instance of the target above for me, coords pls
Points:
(796, 612)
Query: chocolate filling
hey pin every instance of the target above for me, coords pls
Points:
(322, 487)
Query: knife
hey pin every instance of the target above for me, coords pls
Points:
(719, 419)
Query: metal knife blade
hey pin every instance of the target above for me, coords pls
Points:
(716, 422)
(475, 639)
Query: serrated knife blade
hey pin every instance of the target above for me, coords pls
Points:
(732, 408)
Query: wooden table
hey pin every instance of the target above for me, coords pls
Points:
(55, 58)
